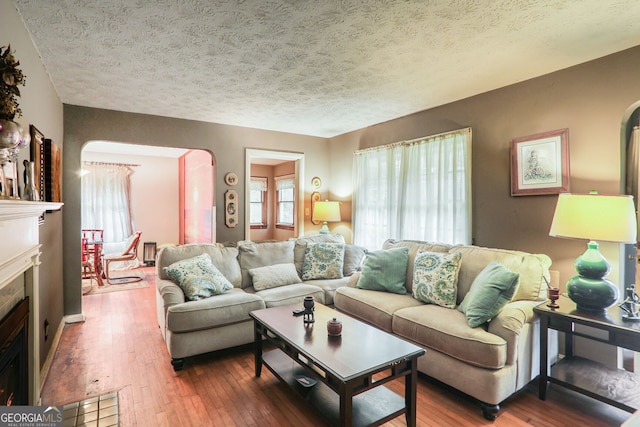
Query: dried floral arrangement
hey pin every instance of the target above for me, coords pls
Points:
(12, 77)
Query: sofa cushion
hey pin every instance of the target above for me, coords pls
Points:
(413, 246)
(272, 276)
(385, 271)
(301, 246)
(533, 270)
(490, 292)
(435, 277)
(229, 308)
(329, 287)
(447, 331)
(254, 255)
(223, 257)
(373, 307)
(290, 294)
(323, 261)
(198, 277)
(353, 258)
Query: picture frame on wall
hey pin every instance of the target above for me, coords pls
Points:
(53, 161)
(540, 163)
(38, 159)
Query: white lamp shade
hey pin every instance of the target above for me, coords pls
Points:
(326, 211)
(610, 218)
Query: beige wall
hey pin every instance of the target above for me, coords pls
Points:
(591, 100)
(42, 107)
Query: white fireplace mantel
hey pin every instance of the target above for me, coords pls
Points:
(19, 276)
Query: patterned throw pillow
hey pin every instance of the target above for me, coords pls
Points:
(323, 261)
(435, 277)
(198, 277)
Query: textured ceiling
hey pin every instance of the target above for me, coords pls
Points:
(318, 68)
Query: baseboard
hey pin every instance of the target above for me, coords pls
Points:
(52, 352)
(74, 318)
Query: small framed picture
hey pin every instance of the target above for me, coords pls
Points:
(38, 159)
(540, 163)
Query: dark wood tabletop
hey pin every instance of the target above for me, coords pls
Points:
(360, 349)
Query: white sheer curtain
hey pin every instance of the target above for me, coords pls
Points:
(106, 201)
(419, 190)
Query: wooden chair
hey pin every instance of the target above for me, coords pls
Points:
(92, 240)
(130, 253)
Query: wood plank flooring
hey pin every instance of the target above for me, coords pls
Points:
(119, 348)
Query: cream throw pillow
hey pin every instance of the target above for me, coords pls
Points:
(273, 276)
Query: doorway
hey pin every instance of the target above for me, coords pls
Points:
(256, 157)
(156, 187)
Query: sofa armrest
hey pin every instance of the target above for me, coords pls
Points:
(353, 279)
(170, 292)
(509, 323)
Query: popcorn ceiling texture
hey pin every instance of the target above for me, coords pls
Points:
(318, 68)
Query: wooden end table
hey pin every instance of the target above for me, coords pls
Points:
(346, 392)
(616, 387)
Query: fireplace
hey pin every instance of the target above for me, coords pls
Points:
(14, 388)
(19, 296)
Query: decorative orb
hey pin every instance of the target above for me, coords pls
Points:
(9, 134)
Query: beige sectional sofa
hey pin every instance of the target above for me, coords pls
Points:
(194, 327)
(489, 362)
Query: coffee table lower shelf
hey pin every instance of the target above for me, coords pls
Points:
(370, 408)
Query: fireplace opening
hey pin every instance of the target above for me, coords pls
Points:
(14, 389)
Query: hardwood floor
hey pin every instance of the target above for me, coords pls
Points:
(119, 348)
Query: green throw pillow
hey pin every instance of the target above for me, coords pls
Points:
(385, 271)
(323, 261)
(490, 291)
(198, 277)
(435, 277)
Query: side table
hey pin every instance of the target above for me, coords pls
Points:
(616, 387)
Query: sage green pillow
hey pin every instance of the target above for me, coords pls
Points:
(490, 291)
(385, 271)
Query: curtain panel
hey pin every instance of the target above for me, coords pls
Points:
(418, 190)
(106, 200)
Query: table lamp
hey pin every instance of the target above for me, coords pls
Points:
(610, 218)
(327, 212)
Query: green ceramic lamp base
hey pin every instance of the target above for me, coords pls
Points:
(590, 290)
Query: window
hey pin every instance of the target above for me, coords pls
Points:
(285, 186)
(418, 189)
(258, 202)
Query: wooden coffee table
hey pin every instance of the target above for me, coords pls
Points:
(346, 392)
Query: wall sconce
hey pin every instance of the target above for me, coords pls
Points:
(326, 212)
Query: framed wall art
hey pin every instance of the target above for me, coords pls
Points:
(52, 172)
(37, 157)
(231, 208)
(540, 163)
